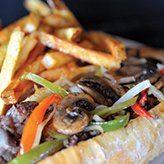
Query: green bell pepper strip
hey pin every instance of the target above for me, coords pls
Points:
(38, 153)
(47, 84)
(162, 90)
(115, 108)
(58, 136)
(99, 71)
(115, 124)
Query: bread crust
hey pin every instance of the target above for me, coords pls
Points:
(139, 142)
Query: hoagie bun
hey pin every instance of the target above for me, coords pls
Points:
(139, 142)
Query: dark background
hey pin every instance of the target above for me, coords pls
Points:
(141, 20)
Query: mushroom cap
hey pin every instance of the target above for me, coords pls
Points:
(71, 116)
(102, 90)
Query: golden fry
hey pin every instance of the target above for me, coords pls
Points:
(56, 73)
(98, 58)
(55, 59)
(10, 61)
(57, 21)
(36, 67)
(12, 57)
(6, 32)
(28, 44)
(70, 34)
(82, 70)
(32, 23)
(108, 44)
(87, 44)
(45, 28)
(37, 6)
(60, 8)
(16, 89)
(3, 49)
(35, 53)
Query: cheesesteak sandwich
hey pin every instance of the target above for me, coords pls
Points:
(71, 96)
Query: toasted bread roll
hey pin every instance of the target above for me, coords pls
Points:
(139, 142)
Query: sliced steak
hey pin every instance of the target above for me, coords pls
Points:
(20, 113)
(11, 127)
(82, 136)
(8, 147)
(6, 123)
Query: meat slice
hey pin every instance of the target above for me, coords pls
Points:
(20, 113)
(82, 136)
(11, 128)
(8, 147)
(7, 124)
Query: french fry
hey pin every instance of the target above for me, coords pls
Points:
(28, 44)
(57, 21)
(98, 58)
(56, 73)
(36, 67)
(16, 91)
(61, 17)
(108, 44)
(32, 23)
(17, 88)
(6, 32)
(37, 6)
(70, 34)
(45, 28)
(33, 57)
(69, 71)
(12, 57)
(3, 49)
(87, 44)
(81, 70)
(10, 61)
(60, 8)
(55, 59)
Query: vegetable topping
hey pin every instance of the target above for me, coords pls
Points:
(33, 122)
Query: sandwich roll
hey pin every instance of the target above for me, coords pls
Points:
(139, 142)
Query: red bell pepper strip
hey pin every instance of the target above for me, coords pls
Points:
(140, 110)
(162, 71)
(143, 98)
(33, 122)
(137, 107)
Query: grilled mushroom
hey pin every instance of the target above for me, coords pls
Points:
(102, 90)
(139, 68)
(70, 116)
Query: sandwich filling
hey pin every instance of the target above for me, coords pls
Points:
(86, 106)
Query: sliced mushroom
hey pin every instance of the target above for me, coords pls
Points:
(70, 116)
(102, 90)
(146, 52)
(146, 73)
(139, 69)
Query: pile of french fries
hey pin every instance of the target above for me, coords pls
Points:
(49, 42)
